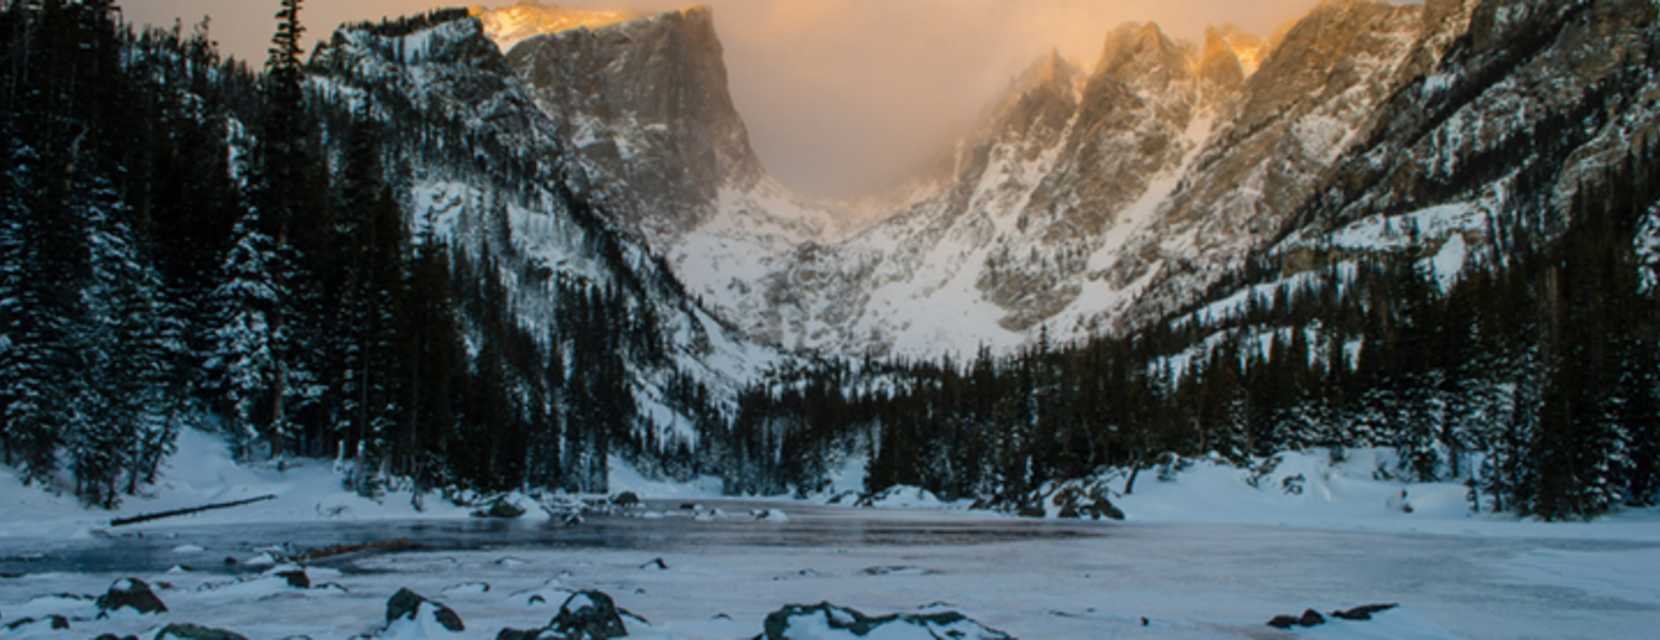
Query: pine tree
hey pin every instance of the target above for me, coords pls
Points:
(247, 362)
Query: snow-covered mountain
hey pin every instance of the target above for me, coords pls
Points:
(496, 178)
(1090, 199)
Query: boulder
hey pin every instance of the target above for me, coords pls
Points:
(406, 604)
(589, 615)
(1363, 612)
(626, 499)
(1311, 618)
(500, 508)
(53, 622)
(295, 577)
(197, 632)
(1283, 622)
(130, 593)
(1091, 503)
(794, 620)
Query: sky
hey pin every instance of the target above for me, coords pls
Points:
(840, 96)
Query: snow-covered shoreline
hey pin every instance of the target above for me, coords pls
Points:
(1335, 496)
(1203, 554)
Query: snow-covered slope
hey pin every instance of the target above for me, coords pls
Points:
(1080, 191)
(482, 167)
(1083, 189)
(1089, 200)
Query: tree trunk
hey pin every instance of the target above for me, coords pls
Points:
(1135, 470)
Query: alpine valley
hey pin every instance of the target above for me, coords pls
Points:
(1282, 302)
(1389, 261)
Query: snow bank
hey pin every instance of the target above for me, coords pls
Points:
(904, 497)
(625, 477)
(1322, 490)
(203, 472)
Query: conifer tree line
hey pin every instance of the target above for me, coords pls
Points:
(1534, 379)
(184, 241)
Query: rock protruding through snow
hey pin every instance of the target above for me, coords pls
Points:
(410, 607)
(825, 620)
(588, 615)
(197, 632)
(130, 593)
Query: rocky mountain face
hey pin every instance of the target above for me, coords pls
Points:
(1531, 102)
(1095, 199)
(643, 102)
(1308, 102)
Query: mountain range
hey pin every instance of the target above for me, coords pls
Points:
(1091, 198)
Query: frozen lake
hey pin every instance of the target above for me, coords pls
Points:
(660, 526)
(1031, 579)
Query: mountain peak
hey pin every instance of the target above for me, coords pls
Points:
(644, 98)
(512, 24)
(1229, 40)
(1050, 69)
(1135, 51)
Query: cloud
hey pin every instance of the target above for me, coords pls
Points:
(838, 94)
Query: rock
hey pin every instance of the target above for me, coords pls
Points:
(130, 593)
(1084, 503)
(656, 563)
(500, 508)
(690, 506)
(111, 636)
(468, 587)
(1030, 511)
(771, 515)
(54, 622)
(626, 499)
(406, 604)
(296, 578)
(791, 621)
(1363, 612)
(1311, 618)
(589, 615)
(1283, 622)
(197, 632)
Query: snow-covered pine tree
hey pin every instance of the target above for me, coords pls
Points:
(249, 343)
(124, 351)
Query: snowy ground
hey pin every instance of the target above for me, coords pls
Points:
(1189, 580)
(1202, 556)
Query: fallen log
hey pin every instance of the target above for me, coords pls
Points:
(118, 522)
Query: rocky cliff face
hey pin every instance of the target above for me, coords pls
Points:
(1534, 99)
(1088, 200)
(644, 102)
(1310, 100)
